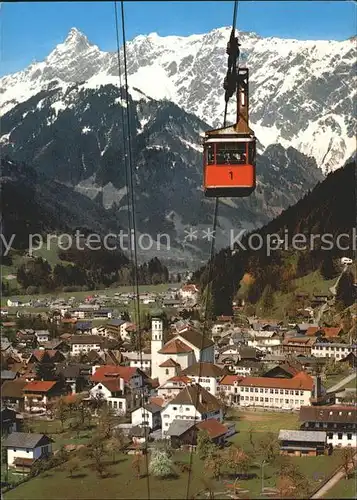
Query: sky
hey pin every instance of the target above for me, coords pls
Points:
(30, 31)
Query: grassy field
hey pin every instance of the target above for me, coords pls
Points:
(109, 292)
(346, 488)
(122, 483)
(262, 421)
(314, 468)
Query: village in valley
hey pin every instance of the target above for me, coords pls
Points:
(96, 394)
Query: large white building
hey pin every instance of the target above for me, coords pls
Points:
(192, 403)
(85, 343)
(337, 351)
(274, 392)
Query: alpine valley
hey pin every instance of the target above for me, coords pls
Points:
(63, 118)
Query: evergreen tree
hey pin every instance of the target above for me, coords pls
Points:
(345, 294)
(45, 371)
(328, 268)
(347, 321)
(268, 299)
(207, 302)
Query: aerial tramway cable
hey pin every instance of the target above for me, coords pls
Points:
(231, 77)
(131, 206)
(123, 134)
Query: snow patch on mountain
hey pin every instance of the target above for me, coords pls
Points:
(303, 93)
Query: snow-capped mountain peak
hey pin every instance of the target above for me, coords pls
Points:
(75, 42)
(302, 93)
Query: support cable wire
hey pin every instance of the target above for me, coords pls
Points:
(128, 188)
(131, 214)
(232, 69)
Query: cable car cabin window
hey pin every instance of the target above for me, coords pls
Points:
(251, 150)
(231, 153)
(210, 154)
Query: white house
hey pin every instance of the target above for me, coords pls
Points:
(172, 387)
(273, 392)
(111, 391)
(23, 448)
(84, 343)
(207, 375)
(136, 360)
(218, 328)
(189, 292)
(337, 351)
(124, 332)
(42, 336)
(147, 415)
(101, 331)
(13, 302)
(246, 367)
(264, 340)
(133, 377)
(192, 403)
(147, 298)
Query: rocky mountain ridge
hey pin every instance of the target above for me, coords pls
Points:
(302, 92)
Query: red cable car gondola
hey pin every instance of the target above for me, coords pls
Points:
(229, 152)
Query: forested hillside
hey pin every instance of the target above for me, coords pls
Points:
(328, 211)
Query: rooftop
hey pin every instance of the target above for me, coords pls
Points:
(300, 381)
(175, 346)
(334, 414)
(25, 440)
(203, 369)
(302, 436)
(197, 396)
(39, 386)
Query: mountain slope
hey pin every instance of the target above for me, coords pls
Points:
(325, 213)
(75, 136)
(33, 203)
(302, 92)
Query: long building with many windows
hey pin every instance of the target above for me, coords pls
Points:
(271, 392)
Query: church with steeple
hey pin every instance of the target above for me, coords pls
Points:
(182, 351)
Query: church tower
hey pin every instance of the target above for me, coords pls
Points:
(157, 342)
